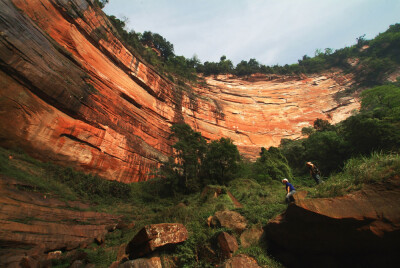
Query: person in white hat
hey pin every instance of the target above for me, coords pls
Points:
(290, 190)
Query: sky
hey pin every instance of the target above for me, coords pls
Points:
(271, 31)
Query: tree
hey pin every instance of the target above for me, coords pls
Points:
(190, 149)
(307, 131)
(158, 42)
(323, 125)
(225, 66)
(327, 149)
(365, 134)
(361, 41)
(101, 3)
(271, 165)
(221, 162)
(382, 101)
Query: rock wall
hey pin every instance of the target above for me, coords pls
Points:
(72, 93)
(32, 226)
(361, 229)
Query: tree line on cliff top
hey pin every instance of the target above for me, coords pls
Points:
(376, 57)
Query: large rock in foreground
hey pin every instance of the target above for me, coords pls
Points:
(360, 229)
(155, 236)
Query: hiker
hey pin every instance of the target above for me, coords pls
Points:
(314, 172)
(290, 190)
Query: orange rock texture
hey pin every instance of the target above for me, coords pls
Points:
(71, 92)
(31, 224)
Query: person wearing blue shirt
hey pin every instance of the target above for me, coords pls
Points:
(290, 190)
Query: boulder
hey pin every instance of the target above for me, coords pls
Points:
(77, 264)
(114, 264)
(229, 219)
(121, 255)
(300, 195)
(251, 237)
(359, 229)
(227, 244)
(153, 262)
(154, 236)
(241, 261)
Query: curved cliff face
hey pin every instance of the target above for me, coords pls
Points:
(361, 229)
(261, 110)
(72, 92)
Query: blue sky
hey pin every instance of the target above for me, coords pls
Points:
(271, 31)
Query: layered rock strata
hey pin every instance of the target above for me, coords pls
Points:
(71, 92)
(31, 224)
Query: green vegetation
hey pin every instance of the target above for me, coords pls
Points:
(175, 195)
(101, 3)
(196, 164)
(146, 203)
(345, 153)
(63, 182)
(358, 172)
(157, 51)
(375, 128)
(271, 165)
(373, 58)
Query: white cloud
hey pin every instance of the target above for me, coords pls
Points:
(270, 31)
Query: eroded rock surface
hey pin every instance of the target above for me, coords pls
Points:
(154, 236)
(227, 244)
(241, 261)
(70, 91)
(361, 229)
(152, 262)
(31, 225)
(229, 219)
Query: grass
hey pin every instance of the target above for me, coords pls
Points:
(261, 202)
(357, 172)
(143, 204)
(259, 253)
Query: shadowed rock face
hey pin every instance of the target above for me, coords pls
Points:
(71, 92)
(361, 229)
(32, 225)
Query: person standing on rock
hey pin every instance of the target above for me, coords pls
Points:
(314, 172)
(290, 190)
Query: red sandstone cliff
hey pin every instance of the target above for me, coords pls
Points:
(71, 92)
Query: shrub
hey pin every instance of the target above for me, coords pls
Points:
(359, 171)
(271, 165)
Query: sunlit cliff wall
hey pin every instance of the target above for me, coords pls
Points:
(72, 93)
